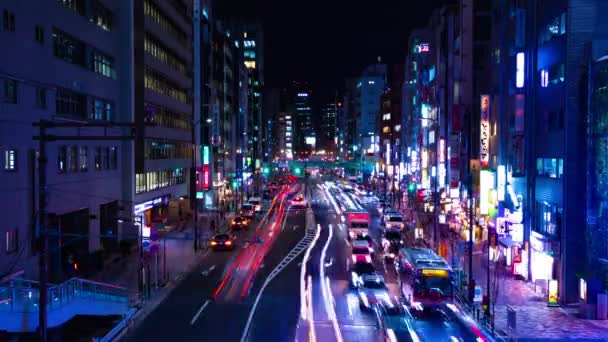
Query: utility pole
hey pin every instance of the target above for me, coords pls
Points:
(42, 234)
(43, 138)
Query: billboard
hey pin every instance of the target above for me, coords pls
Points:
(484, 132)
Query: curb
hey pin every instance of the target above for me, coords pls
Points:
(152, 304)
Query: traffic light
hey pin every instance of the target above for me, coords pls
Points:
(265, 171)
(485, 304)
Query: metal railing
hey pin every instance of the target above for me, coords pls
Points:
(482, 320)
(23, 295)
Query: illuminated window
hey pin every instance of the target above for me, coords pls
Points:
(397, 128)
(386, 116)
(386, 129)
(10, 160)
(250, 64)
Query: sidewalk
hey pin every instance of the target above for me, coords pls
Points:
(535, 320)
(176, 249)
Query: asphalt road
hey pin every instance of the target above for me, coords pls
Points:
(218, 306)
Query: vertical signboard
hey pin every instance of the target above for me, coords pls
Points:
(206, 177)
(484, 132)
(486, 183)
(502, 182)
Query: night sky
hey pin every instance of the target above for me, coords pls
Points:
(324, 41)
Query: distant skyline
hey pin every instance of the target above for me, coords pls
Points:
(325, 41)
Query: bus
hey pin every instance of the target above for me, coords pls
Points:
(425, 279)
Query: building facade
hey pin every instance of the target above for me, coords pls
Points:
(74, 74)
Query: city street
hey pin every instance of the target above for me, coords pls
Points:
(219, 289)
(304, 171)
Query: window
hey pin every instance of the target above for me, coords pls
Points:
(106, 158)
(12, 241)
(140, 183)
(39, 34)
(83, 158)
(10, 91)
(41, 98)
(101, 110)
(548, 219)
(555, 28)
(9, 21)
(68, 102)
(113, 158)
(101, 16)
(163, 54)
(97, 158)
(73, 158)
(556, 74)
(161, 85)
(386, 116)
(167, 149)
(62, 159)
(103, 64)
(160, 116)
(155, 180)
(75, 5)
(154, 13)
(67, 48)
(550, 167)
(10, 160)
(397, 128)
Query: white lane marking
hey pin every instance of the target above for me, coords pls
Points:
(290, 257)
(326, 289)
(198, 313)
(208, 271)
(303, 273)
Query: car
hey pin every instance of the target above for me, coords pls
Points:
(298, 202)
(357, 271)
(247, 210)
(256, 202)
(239, 222)
(388, 211)
(364, 241)
(372, 292)
(222, 241)
(361, 253)
(395, 322)
(394, 221)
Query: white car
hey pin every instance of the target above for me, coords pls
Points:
(394, 221)
(256, 202)
(372, 291)
(247, 210)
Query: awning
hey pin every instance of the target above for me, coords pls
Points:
(507, 242)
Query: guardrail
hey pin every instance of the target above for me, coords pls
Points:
(23, 295)
(475, 313)
(112, 334)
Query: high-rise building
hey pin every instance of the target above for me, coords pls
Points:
(328, 125)
(301, 107)
(251, 40)
(370, 87)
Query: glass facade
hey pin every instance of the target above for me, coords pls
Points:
(155, 180)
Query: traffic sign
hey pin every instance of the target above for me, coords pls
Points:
(146, 243)
(478, 295)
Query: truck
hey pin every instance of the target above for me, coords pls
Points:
(357, 223)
